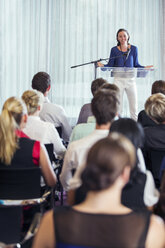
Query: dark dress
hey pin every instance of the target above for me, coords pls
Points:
(74, 229)
(24, 155)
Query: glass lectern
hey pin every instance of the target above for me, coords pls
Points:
(144, 78)
(123, 72)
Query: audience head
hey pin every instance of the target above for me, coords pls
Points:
(155, 107)
(33, 100)
(106, 161)
(14, 113)
(104, 106)
(13, 110)
(96, 84)
(129, 128)
(158, 87)
(41, 82)
(111, 87)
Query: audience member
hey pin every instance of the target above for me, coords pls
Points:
(86, 111)
(154, 135)
(140, 191)
(51, 112)
(104, 108)
(143, 118)
(101, 220)
(37, 129)
(83, 129)
(16, 150)
(155, 109)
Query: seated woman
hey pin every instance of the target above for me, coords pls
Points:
(101, 220)
(140, 191)
(37, 129)
(16, 149)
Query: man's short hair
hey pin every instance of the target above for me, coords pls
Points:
(96, 84)
(158, 87)
(155, 107)
(111, 87)
(41, 81)
(104, 106)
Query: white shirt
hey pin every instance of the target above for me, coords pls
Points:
(141, 163)
(76, 154)
(56, 114)
(44, 132)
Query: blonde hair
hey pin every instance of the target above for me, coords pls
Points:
(10, 119)
(33, 99)
(155, 107)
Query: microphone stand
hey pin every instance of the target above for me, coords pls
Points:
(95, 63)
(92, 62)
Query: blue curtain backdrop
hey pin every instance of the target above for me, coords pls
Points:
(53, 35)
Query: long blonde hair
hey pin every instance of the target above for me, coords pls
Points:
(33, 99)
(10, 119)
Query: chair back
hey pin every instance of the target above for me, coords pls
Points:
(59, 130)
(10, 224)
(50, 151)
(18, 184)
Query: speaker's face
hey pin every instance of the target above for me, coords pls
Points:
(122, 38)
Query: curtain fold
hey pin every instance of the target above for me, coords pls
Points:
(53, 35)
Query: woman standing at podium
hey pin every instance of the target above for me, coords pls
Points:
(125, 55)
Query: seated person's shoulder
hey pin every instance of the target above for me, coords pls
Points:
(81, 130)
(79, 144)
(86, 105)
(156, 233)
(52, 106)
(145, 120)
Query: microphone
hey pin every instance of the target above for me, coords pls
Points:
(127, 55)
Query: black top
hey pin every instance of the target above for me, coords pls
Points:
(78, 229)
(155, 136)
(23, 155)
(145, 120)
(154, 149)
(133, 192)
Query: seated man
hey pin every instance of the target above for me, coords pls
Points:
(83, 129)
(86, 111)
(51, 112)
(104, 108)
